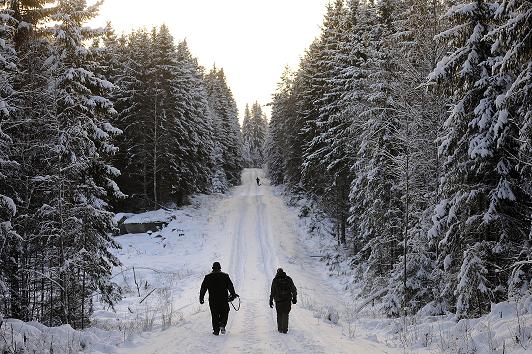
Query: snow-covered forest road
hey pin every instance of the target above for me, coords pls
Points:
(252, 233)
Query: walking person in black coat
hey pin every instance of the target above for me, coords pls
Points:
(219, 286)
(284, 293)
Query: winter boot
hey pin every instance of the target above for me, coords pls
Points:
(222, 330)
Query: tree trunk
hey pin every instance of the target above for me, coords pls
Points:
(407, 210)
(343, 207)
(62, 258)
(83, 295)
(14, 282)
(155, 143)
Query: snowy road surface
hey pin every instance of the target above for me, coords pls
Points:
(252, 233)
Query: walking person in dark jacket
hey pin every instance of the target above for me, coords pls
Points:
(219, 286)
(284, 293)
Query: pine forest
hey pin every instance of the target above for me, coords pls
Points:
(409, 123)
(404, 135)
(91, 123)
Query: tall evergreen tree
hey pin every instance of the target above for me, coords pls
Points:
(25, 127)
(246, 135)
(483, 189)
(193, 112)
(512, 131)
(133, 104)
(254, 131)
(421, 113)
(8, 237)
(227, 129)
(172, 151)
(80, 181)
(283, 112)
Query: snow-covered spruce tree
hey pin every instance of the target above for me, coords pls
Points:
(246, 135)
(311, 90)
(254, 135)
(134, 103)
(230, 120)
(172, 154)
(299, 111)
(227, 134)
(315, 96)
(159, 79)
(326, 151)
(8, 61)
(293, 108)
(193, 112)
(277, 138)
(377, 190)
(107, 52)
(511, 129)
(261, 132)
(484, 203)
(218, 177)
(80, 179)
(26, 129)
(362, 40)
(9, 239)
(413, 281)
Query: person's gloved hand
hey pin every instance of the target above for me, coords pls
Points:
(294, 300)
(271, 304)
(201, 301)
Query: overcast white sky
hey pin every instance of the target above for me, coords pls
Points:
(253, 40)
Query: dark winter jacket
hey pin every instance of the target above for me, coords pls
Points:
(283, 288)
(219, 285)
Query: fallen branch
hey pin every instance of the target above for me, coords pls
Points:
(135, 279)
(370, 299)
(158, 271)
(147, 295)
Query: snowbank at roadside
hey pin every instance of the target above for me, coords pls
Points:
(33, 337)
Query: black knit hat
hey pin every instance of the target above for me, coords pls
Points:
(216, 266)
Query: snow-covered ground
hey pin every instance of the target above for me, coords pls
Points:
(506, 329)
(252, 232)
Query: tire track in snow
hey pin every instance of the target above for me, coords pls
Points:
(289, 342)
(237, 255)
(251, 329)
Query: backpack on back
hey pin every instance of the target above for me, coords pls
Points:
(284, 289)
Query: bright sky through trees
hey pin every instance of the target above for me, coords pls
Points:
(253, 40)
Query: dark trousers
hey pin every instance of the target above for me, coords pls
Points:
(219, 314)
(283, 309)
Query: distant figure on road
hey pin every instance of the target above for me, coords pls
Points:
(219, 285)
(284, 293)
(258, 181)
